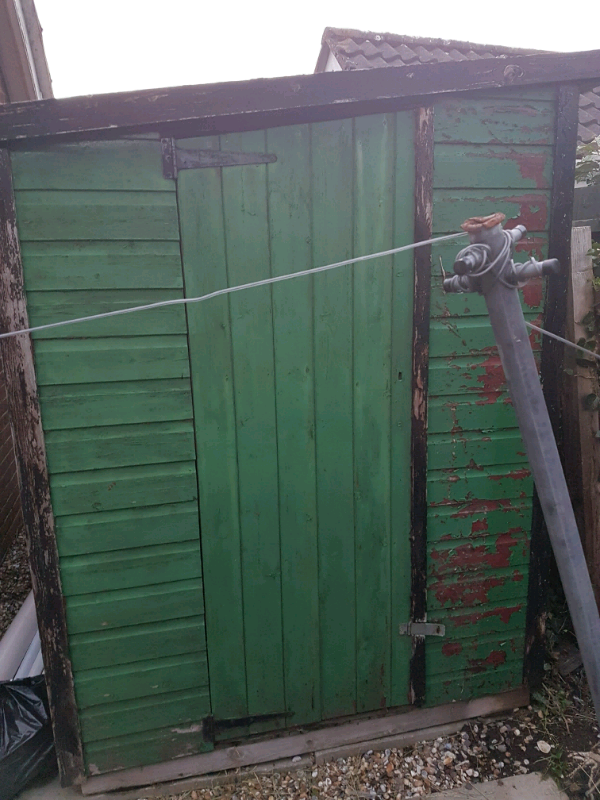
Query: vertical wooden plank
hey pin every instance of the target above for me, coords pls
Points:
(581, 423)
(30, 449)
(205, 270)
(374, 198)
(420, 374)
(332, 167)
(401, 383)
(289, 196)
(559, 246)
(248, 258)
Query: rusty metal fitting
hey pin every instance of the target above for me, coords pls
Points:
(475, 224)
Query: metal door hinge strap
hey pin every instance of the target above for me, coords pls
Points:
(175, 158)
(422, 629)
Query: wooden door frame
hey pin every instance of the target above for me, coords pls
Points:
(30, 451)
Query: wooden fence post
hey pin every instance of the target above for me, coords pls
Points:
(582, 448)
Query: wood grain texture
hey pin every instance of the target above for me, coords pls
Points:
(11, 513)
(559, 246)
(24, 409)
(420, 380)
(217, 108)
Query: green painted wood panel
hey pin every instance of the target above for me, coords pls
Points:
(149, 747)
(474, 450)
(137, 643)
(118, 608)
(444, 689)
(468, 413)
(205, 264)
(289, 221)
(93, 405)
(84, 265)
(119, 446)
(332, 164)
(125, 487)
(169, 674)
(126, 569)
(248, 258)
(120, 359)
(48, 307)
(120, 164)
(492, 166)
(494, 121)
(292, 410)
(132, 716)
(374, 166)
(99, 230)
(522, 207)
(100, 532)
(84, 215)
(500, 587)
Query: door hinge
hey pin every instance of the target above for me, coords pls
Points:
(211, 726)
(175, 158)
(422, 629)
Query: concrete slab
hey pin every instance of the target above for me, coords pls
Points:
(49, 790)
(532, 787)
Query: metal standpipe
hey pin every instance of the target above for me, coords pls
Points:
(486, 266)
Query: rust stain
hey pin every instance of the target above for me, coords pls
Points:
(495, 659)
(503, 613)
(531, 165)
(451, 648)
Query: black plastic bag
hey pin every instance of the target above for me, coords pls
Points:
(26, 742)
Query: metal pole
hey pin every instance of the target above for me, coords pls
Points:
(498, 283)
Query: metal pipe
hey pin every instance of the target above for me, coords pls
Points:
(508, 324)
(16, 640)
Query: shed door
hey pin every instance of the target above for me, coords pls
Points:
(302, 415)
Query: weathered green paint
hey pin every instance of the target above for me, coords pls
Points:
(494, 121)
(493, 166)
(296, 376)
(527, 207)
(464, 449)
(99, 231)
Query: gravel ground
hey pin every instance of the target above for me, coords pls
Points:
(15, 582)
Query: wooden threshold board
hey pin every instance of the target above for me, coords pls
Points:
(367, 731)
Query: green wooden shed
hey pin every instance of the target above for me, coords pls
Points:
(238, 508)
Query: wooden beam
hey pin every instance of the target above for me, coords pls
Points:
(216, 108)
(298, 744)
(420, 377)
(581, 422)
(17, 356)
(551, 368)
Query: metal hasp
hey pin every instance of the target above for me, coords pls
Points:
(422, 629)
(486, 266)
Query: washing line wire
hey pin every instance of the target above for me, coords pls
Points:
(231, 289)
(277, 279)
(564, 341)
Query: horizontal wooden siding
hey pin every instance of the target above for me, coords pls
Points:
(491, 154)
(99, 231)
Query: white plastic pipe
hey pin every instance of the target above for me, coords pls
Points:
(29, 659)
(17, 639)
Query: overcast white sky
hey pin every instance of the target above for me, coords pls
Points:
(118, 45)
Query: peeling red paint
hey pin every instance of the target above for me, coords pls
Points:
(533, 293)
(479, 507)
(495, 659)
(515, 474)
(531, 164)
(464, 593)
(451, 648)
(534, 246)
(479, 525)
(503, 613)
(533, 210)
(492, 379)
(494, 554)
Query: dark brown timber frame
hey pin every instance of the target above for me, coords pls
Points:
(219, 108)
(559, 246)
(35, 489)
(420, 375)
(246, 106)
